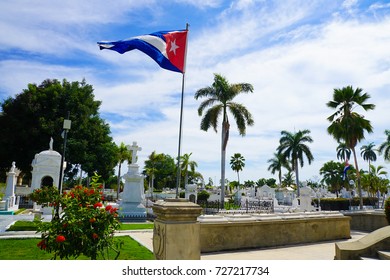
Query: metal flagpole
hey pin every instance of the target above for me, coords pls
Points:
(181, 121)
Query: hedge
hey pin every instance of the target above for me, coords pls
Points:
(337, 204)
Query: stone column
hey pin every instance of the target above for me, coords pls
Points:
(10, 186)
(176, 234)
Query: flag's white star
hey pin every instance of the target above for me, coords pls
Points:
(173, 47)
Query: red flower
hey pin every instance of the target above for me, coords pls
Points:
(95, 235)
(92, 220)
(92, 191)
(113, 210)
(60, 238)
(108, 207)
(97, 204)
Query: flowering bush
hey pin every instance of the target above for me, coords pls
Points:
(84, 226)
(387, 210)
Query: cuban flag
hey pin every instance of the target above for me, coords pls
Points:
(167, 48)
(346, 168)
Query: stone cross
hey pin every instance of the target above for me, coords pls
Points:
(133, 149)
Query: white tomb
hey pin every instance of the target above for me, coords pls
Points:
(46, 171)
(191, 192)
(133, 195)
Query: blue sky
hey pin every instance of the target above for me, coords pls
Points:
(293, 52)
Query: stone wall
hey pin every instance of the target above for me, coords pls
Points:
(367, 220)
(218, 233)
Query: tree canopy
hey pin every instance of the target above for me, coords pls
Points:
(36, 114)
(161, 169)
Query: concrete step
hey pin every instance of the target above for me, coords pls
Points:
(368, 258)
(384, 255)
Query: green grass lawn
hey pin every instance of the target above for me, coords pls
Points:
(26, 249)
(31, 226)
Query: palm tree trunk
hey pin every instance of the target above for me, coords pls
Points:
(186, 179)
(280, 178)
(223, 159)
(358, 179)
(119, 181)
(297, 177)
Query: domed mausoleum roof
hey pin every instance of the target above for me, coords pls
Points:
(47, 157)
(50, 153)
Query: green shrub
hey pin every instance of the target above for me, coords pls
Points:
(203, 195)
(85, 226)
(367, 201)
(387, 210)
(333, 204)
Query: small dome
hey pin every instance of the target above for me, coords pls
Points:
(49, 153)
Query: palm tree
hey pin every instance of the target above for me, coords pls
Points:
(153, 160)
(384, 148)
(293, 146)
(332, 173)
(368, 153)
(122, 154)
(288, 179)
(348, 126)
(343, 152)
(237, 162)
(219, 100)
(373, 182)
(276, 165)
(186, 164)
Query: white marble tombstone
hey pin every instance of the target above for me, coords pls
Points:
(133, 195)
(305, 199)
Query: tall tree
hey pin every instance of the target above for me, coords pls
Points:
(332, 173)
(151, 168)
(219, 102)
(347, 125)
(187, 166)
(161, 170)
(368, 153)
(384, 148)
(122, 155)
(36, 114)
(237, 163)
(343, 152)
(276, 165)
(375, 181)
(294, 147)
(288, 179)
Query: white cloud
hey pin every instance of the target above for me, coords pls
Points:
(293, 63)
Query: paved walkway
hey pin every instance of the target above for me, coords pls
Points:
(7, 220)
(314, 251)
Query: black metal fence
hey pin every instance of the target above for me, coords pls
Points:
(25, 202)
(214, 207)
